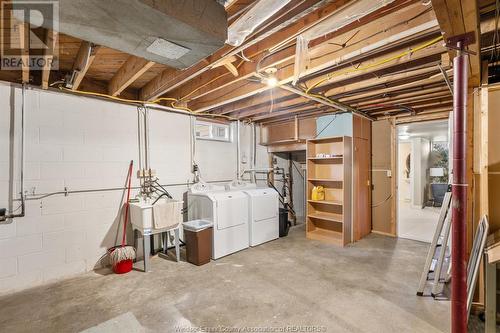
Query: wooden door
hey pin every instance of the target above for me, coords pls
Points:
(361, 189)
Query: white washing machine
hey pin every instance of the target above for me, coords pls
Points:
(228, 212)
(263, 211)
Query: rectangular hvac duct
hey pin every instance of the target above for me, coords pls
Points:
(177, 33)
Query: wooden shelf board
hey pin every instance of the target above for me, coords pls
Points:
(326, 139)
(325, 235)
(281, 142)
(324, 180)
(325, 158)
(326, 202)
(327, 217)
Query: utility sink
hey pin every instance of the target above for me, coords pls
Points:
(141, 215)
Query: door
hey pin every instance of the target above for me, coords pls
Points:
(362, 190)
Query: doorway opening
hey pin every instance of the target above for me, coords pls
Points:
(293, 165)
(422, 177)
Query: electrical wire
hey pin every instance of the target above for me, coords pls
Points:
(141, 102)
(382, 202)
(377, 64)
(327, 125)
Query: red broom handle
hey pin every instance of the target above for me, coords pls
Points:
(129, 177)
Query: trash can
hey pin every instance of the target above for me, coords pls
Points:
(284, 223)
(198, 238)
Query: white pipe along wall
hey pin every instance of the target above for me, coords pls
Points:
(80, 143)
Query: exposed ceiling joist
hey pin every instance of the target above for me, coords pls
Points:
(256, 101)
(322, 56)
(413, 86)
(50, 42)
(85, 57)
(404, 98)
(269, 107)
(273, 36)
(456, 18)
(130, 71)
(24, 38)
(331, 103)
(290, 113)
(245, 89)
(384, 82)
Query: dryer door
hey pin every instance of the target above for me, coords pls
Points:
(232, 209)
(265, 204)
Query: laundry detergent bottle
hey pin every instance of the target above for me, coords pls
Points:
(318, 193)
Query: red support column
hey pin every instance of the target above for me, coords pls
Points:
(459, 196)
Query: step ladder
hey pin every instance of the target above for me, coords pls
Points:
(476, 254)
(440, 240)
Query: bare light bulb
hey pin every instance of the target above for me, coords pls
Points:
(271, 81)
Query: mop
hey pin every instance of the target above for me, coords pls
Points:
(121, 257)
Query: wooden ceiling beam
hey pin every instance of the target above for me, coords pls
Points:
(50, 40)
(24, 38)
(457, 17)
(380, 82)
(85, 57)
(434, 107)
(431, 82)
(324, 56)
(290, 113)
(255, 101)
(269, 108)
(433, 115)
(245, 89)
(166, 83)
(410, 97)
(130, 71)
(381, 108)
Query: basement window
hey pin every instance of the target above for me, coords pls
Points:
(212, 131)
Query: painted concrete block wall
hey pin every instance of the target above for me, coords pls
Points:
(84, 143)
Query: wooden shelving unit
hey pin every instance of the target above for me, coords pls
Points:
(330, 220)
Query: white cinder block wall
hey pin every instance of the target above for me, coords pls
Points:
(85, 143)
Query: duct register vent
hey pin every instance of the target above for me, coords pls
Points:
(167, 49)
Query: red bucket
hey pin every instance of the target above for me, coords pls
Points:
(123, 266)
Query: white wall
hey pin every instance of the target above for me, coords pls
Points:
(404, 193)
(420, 150)
(85, 143)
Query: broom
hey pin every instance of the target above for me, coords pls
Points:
(121, 257)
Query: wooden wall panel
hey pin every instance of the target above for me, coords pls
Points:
(382, 213)
(493, 158)
(362, 215)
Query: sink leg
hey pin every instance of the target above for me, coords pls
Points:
(164, 237)
(177, 248)
(146, 248)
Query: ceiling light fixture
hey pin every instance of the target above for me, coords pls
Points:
(270, 79)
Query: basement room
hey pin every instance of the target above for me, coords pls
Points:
(249, 166)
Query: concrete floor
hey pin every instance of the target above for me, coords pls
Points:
(417, 223)
(366, 287)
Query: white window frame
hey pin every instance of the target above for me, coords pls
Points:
(212, 127)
